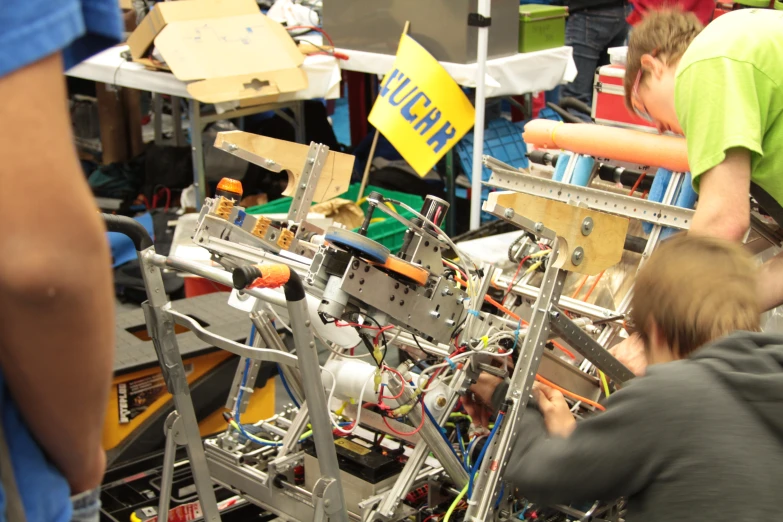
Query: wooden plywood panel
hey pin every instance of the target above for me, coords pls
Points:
(603, 247)
(287, 155)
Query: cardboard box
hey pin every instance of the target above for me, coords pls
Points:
(226, 48)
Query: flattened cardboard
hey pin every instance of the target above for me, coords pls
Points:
(286, 155)
(226, 46)
(164, 13)
(249, 89)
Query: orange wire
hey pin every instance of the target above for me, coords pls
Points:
(515, 316)
(595, 283)
(579, 288)
(549, 383)
(638, 182)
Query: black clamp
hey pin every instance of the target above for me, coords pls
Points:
(478, 20)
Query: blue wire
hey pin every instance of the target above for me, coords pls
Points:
(516, 335)
(461, 447)
(285, 385)
(500, 496)
(250, 339)
(440, 430)
(476, 465)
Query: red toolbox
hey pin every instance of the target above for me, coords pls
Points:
(609, 100)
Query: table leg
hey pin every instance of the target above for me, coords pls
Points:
(298, 109)
(176, 114)
(196, 145)
(157, 115)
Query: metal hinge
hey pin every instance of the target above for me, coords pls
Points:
(599, 87)
(478, 20)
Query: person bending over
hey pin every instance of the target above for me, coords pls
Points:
(700, 437)
(722, 88)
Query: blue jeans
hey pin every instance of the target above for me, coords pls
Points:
(591, 32)
(87, 506)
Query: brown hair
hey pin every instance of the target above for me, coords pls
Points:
(696, 289)
(666, 34)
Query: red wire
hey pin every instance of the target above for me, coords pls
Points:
(638, 182)
(313, 28)
(402, 382)
(407, 434)
(511, 283)
(380, 333)
(356, 325)
(430, 517)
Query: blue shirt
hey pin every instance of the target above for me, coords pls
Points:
(29, 31)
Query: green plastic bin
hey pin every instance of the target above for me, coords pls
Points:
(541, 27)
(389, 232)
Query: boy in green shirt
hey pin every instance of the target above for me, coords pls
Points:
(722, 87)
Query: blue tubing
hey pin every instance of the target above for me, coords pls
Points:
(660, 183)
(582, 171)
(562, 163)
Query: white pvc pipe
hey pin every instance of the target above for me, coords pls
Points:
(478, 125)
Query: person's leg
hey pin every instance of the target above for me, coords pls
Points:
(620, 32)
(586, 55)
(590, 33)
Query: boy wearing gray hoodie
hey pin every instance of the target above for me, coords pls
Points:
(700, 436)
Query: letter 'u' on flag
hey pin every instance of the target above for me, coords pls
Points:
(420, 109)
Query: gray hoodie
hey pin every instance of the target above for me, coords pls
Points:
(698, 439)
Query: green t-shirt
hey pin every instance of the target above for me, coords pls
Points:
(729, 93)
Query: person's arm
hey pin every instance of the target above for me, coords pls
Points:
(609, 455)
(56, 296)
(724, 203)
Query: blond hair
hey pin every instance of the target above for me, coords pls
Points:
(665, 34)
(696, 289)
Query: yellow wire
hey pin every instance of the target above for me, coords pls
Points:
(453, 506)
(604, 382)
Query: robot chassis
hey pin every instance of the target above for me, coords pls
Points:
(344, 276)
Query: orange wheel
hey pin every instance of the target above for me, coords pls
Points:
(407, 270)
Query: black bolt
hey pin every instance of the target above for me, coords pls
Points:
(361, 281)
(367, 268)
(396, 286)
(436, 249)
(355, 264)
(426, 243)
(405, 291)
(391, 298)
(402, 302)
(350, 276)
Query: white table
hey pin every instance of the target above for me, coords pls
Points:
(323, 75)
(507, 76)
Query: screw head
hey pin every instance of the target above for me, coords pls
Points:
(402, 302)
(587, 226)
(270, 162)
(509, 213)
(516, 393)
(232, 147)
(441, 402)
(327, 503)
(361, 281)
(578, 256)
(391, 297)
(539, 226)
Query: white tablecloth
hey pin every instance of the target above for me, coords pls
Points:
(511, 75)
(323, 75)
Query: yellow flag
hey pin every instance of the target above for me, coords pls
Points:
(420, 109)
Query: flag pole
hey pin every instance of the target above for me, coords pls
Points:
(478, 127)
(366, 174)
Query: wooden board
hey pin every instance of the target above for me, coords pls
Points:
(289, 156)
(603, 247)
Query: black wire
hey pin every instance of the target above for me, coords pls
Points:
(417, 343)
(383, 336)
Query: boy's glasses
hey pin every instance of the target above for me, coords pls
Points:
(643, 113)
